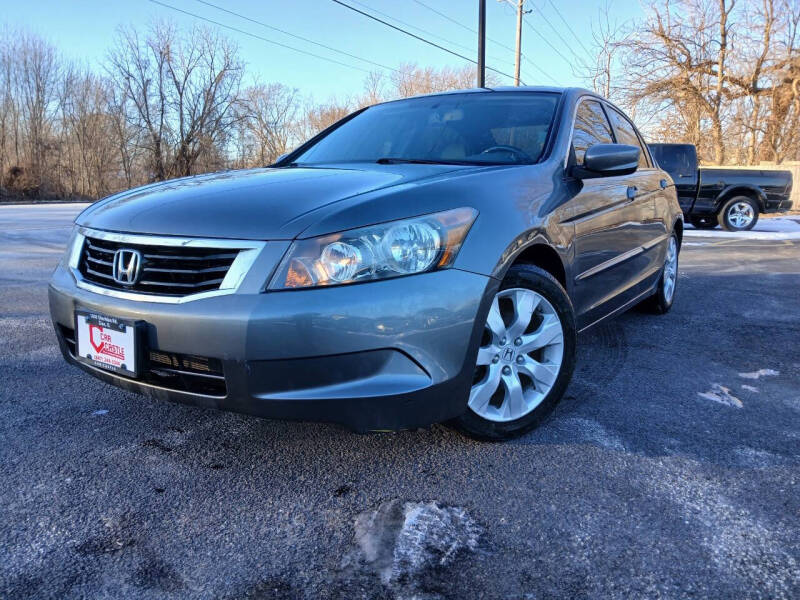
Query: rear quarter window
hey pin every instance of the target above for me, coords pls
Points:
(626, 134)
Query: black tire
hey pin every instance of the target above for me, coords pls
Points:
(709, 222)
(659, 303)
(540, 281)
(724, 217)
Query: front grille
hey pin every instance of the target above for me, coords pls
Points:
(165, 270)
(179, 372)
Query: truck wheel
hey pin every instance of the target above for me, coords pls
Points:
(525, 359)
(740, 213)
(704, 222)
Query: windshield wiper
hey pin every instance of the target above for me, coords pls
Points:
(423, 161)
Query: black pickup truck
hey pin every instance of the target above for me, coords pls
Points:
(732, 198)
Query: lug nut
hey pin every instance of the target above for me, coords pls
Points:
(518, 341)
(506, 370)
(503, 342)
(496, 358)
(520, 359)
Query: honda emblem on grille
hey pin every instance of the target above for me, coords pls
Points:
(127, 265)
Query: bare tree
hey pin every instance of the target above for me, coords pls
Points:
(9, 114)
(30, 74)
(409, 79)
(181, 92)
(89, 155)
(721, 74)
(608, 37)
(322, 116)
(678, 59)
(374, 89)
(267, 123)
(781, 138)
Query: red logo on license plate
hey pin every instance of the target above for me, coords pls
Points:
(104, 346)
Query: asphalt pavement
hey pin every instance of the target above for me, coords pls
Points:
(671, 469)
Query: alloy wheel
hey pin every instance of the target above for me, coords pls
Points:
(520, 356)
(670, 270)
(741, 214)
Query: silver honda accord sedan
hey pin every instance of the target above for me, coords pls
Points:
(423, 260)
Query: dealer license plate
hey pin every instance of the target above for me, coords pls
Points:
(107, 342)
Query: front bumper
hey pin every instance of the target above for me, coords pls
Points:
(388, 354)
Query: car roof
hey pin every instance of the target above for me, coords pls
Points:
(571, 91)
(504, 88)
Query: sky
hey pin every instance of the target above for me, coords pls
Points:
(84, 30)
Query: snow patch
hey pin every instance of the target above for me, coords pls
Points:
(594, 432)
(721, 394)
(777, 228)
(757, 457)
(400, 540)
(759, 373)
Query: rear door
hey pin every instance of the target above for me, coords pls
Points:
(607, 219)
(650, 198)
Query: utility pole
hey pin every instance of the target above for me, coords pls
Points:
(481, 43)
(520, 5)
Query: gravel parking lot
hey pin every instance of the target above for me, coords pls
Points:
(671, 469)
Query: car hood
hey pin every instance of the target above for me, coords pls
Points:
(258, 204)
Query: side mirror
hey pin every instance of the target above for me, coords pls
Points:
(608, 160)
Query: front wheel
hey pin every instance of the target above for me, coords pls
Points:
(526, 357)
(739, 214)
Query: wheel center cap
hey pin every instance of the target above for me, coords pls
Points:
(507, 354)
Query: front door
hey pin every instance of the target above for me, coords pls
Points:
(607, 214)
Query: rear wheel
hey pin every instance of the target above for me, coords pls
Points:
(526, 357)
(739, 214)
(661, 300)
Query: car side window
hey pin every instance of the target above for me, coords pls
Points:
(591, 127)
(626, 134)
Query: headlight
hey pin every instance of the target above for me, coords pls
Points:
(71, 255)
(377, 252)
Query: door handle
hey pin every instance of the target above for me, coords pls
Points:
(663, 184)
(631, 192)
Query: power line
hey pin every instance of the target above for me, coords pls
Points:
(548, 42)
(299, 37)
(463, 26)
(538, 68)
(572, 31)
(258, 37)
(415, 36)
(433, 35)
(566, 43)
(425, 31)
(444, 16)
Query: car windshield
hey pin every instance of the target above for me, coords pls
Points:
(470, 128)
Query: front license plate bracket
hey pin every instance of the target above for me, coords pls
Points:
(109, 343)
